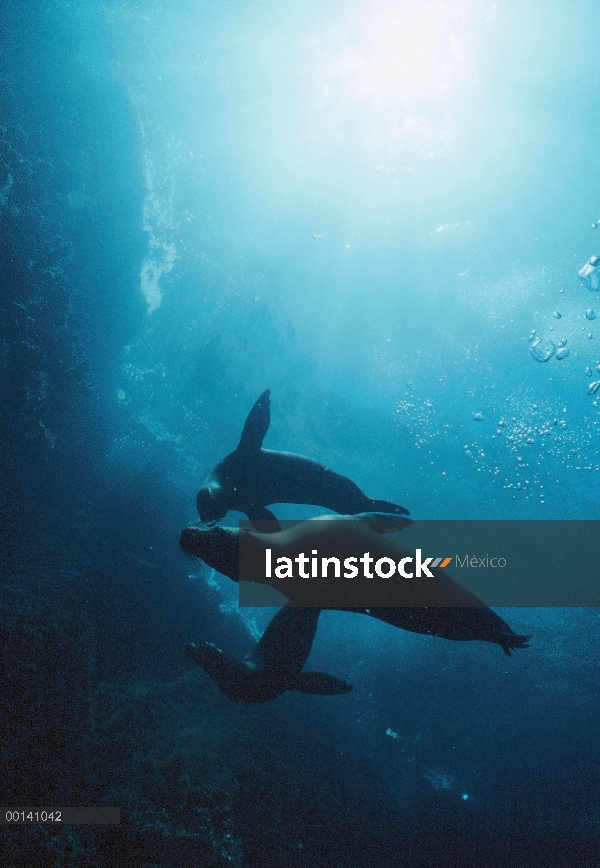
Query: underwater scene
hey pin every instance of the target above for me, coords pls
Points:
(264, 261)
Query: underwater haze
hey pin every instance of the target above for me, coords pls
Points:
(379, 211)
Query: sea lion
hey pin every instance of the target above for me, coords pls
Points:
(439, 607)
(274, 665)
(250, 478)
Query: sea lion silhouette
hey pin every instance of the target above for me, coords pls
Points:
(274, 664)
(250, 478)
(445, 608)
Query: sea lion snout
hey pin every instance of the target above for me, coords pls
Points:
(217, 546)
(191, 541)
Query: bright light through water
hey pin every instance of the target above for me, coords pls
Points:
(380, 80)
(383, 194)
(368, 154)
(393, 56)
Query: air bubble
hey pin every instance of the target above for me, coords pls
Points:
(542, 351)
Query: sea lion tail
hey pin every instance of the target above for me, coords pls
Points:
(510, 641)
(256, 424)
(319, 683)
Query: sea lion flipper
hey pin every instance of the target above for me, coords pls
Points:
(235, 678)
(319, 683)
(384, 522)
(510, 641)
(387, 507)
(263, 520)
(206, 653)
(256, 424)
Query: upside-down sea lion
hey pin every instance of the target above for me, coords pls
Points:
(251, 477)
(439, 606)
(274, 665)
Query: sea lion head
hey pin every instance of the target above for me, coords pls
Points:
(217, 546)
(210, 502)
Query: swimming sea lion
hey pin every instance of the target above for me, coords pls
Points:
(251, 477)
(439, 606)
(274, 665)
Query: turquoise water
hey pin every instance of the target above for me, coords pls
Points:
(375, 210)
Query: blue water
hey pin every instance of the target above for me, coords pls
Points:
(369, 208)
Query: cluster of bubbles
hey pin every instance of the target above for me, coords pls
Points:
(424, 426)
(533, 448)
(543, 349)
